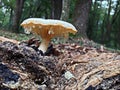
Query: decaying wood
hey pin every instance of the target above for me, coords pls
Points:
(96, 76)
(3, 39)
(90, 68)
(22, 59)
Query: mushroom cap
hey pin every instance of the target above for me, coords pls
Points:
(48, 28)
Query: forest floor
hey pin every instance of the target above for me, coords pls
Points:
(79, 64)
(19, 36)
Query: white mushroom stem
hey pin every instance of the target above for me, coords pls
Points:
(44, 45)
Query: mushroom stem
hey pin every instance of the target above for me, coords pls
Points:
(44, 45)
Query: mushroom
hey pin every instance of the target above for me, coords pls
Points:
(47, 29)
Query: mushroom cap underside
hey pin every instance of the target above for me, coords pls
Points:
(48, 27)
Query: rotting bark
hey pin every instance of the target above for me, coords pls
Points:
(2, 39)
(24, 59)
(21, 66)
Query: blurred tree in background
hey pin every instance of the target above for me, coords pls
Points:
(98, 20)
(56, 9)
(104, 22)
(65, 10)
(81, 15)
(17, 15)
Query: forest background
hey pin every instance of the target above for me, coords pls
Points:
(97, 20)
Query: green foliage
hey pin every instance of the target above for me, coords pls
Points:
(36, 8)
(103, 28)
(2, 17)
(72, 7)
(5, 12)
(8, 4)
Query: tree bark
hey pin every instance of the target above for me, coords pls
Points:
(17, 15)
(116, 13)
(56, 9)
(23, 64)
(10, 19)
(81, 16)
(108, 23)
(65, 10)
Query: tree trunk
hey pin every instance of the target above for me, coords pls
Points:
(81, 15)
(65, 10)
(108, 23)
(17, 15)
(10, 18)
(116, 13)
(56, 9)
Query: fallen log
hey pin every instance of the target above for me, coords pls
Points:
(3, 39)
(24, 68)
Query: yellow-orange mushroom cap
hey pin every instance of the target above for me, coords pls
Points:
(47, 29)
